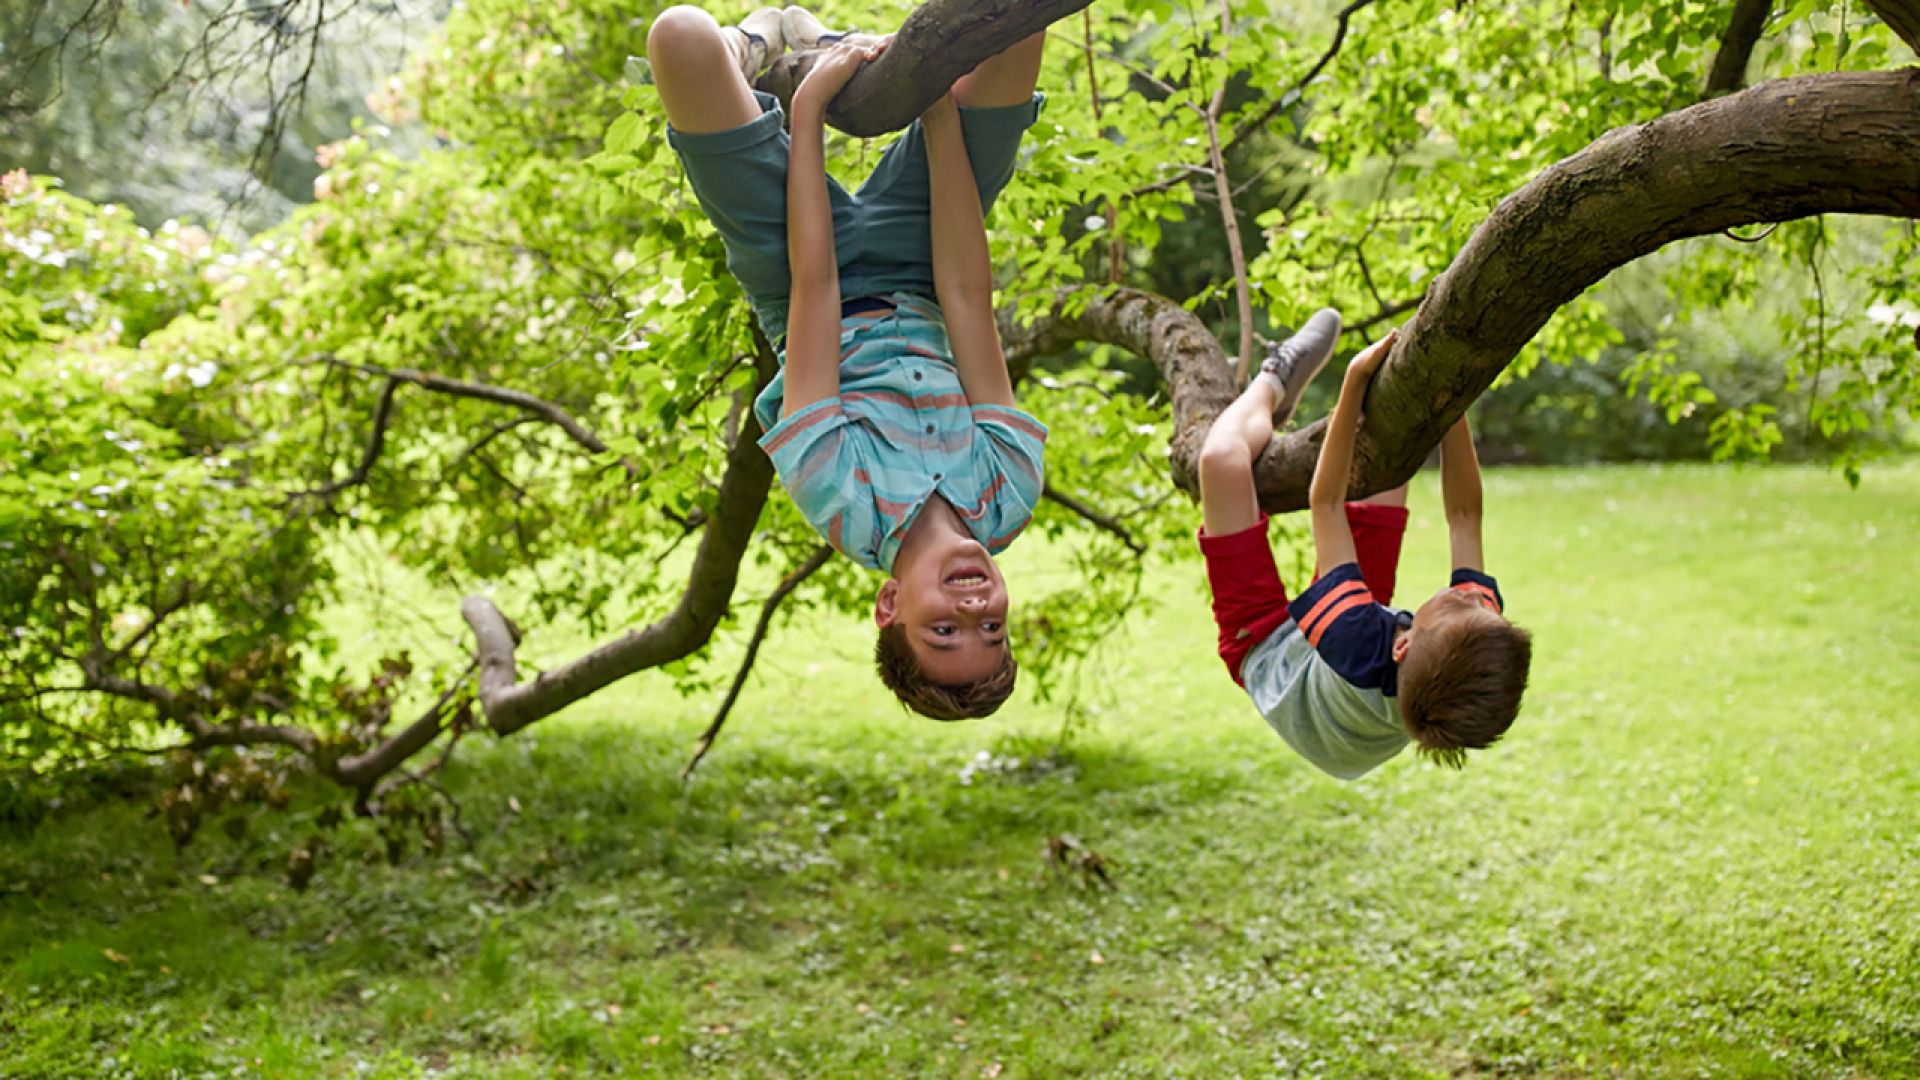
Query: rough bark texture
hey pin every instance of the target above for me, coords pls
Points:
(511, 705)
(1841, 143)
(1198, 372)
(1736, 47)
(941, 41)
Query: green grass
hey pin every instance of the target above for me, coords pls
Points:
(1698, 853)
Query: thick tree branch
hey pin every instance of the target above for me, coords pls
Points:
(1837, 143)
(511, 705)
(937, 44)
(362, 770)
(1729, 71)
(787, 584)
(1189, 358)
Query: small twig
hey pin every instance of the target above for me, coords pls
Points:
(376, 440)
(1387, 312)
(1764, 233)
(1115, 252)
(1287, 96)
(787, 584)
(1093, 517)
(1820, 335)
(1223, 190)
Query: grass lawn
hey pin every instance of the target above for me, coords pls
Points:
(1697, 854)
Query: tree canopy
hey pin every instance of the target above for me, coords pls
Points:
(515, 363)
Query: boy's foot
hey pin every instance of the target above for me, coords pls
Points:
(806, 32)
(757, 41)
(1293, 363)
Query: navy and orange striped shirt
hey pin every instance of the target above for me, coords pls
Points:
(1353, 634)
(861, 465)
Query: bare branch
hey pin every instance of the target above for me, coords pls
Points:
(511, 705)
(1736, 47)
(376, 441)
(1092, 517)
(363, 769)
(787, 584)
(1223, 190)
(499, 395)
(1287, 97)
(1387, 313)
(1115, 250)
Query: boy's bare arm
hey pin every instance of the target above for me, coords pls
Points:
(1460, 494)
(813, 305)
(1332, 537)
(962, 269)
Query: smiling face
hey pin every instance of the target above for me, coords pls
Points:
(1445, 609)
(952, 604)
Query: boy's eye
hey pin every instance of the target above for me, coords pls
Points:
(991, 627)
(944, 630)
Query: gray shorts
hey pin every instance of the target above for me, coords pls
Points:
(881, 234)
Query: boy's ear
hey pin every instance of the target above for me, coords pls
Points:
(886, 603)
(1400, 646)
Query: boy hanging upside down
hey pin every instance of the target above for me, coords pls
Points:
(892, 422)
(1343, 678)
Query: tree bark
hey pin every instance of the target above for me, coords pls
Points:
(1788, 149)
(937, 44)
(1197, 371)
(1736, 47)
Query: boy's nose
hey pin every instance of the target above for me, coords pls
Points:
(973, 603)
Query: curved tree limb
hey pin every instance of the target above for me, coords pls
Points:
(499, 395)
(937, 44)
(511, 705)
(1788, 149)
(1783, 150)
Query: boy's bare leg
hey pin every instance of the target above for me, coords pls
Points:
(1229, 502)
(697, 72)
(1005, 79)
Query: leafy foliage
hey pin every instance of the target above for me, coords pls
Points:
(513, 361)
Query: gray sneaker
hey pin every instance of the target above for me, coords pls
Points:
(1295, 361)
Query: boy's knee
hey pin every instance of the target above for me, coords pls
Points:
(1224, 453)
(679, 29)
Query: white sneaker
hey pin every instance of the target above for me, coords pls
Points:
(806, 32)
(758, 41)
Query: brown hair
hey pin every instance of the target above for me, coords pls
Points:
(1460, 686)
(900, 670)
